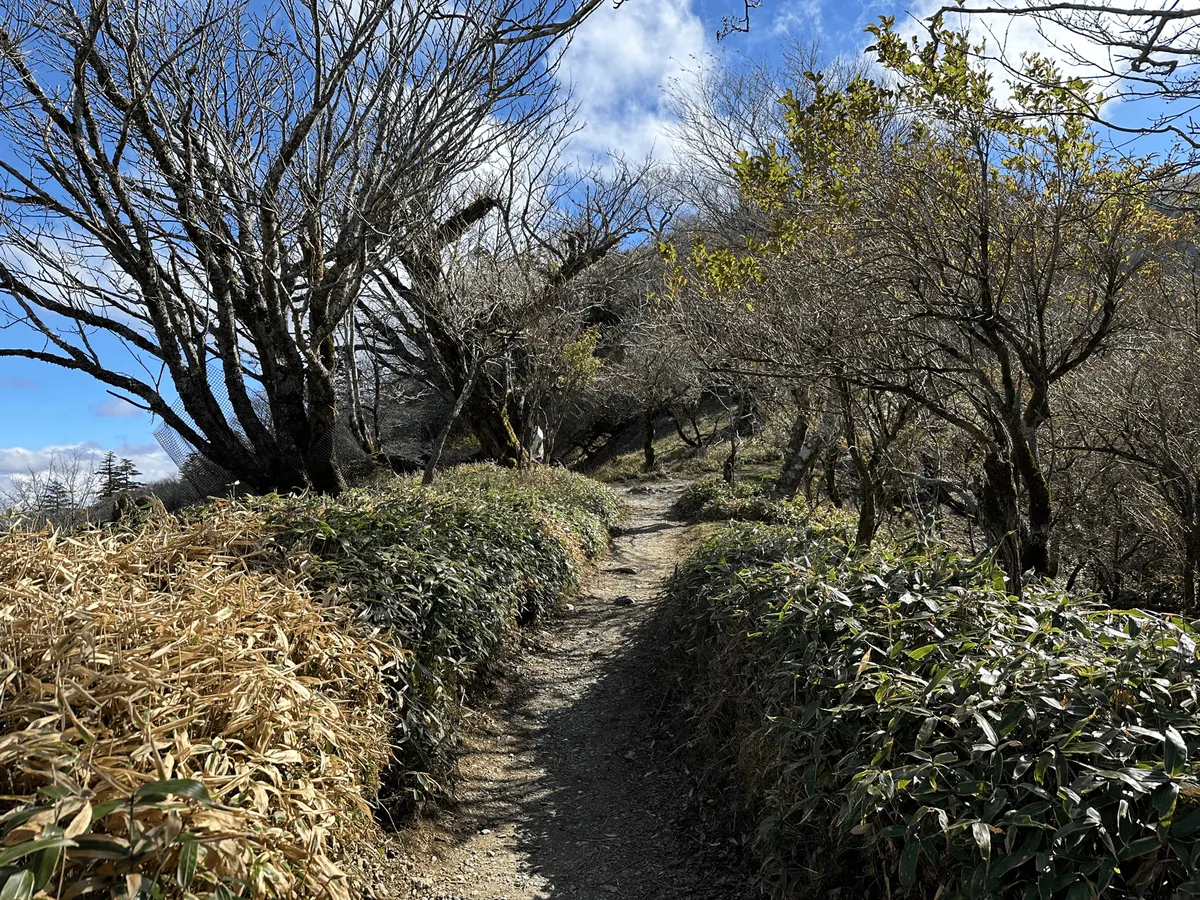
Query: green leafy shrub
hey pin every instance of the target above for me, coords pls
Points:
(585, 507)
(206, 707)
(450, 571)
(712, 499)
(897, 725)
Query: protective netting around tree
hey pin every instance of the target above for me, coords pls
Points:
(209, 478)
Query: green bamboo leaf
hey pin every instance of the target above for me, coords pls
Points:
(1163, 800)
(100, 810)
(1006, 864)
(1175, 752)
(1187, 825)
(1140, 847)
(12, 854)
(178, 787)
(908, 861)
(1045, 760)
(189, 853)
(18, 887)
(1011, 719)
(988, 731)
(926, 732)
(1108, 868)
(983, 838)
(44, 862)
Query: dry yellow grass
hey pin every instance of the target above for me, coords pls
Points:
(128, 659)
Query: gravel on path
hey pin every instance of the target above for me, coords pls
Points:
(568, 789)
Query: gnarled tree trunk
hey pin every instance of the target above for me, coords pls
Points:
(999, 515)
(805, 445)
(488, 415)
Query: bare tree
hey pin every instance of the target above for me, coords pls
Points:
(58, 493)
(477, 318)
(1137, 421)
(874, 423)
(654, 372)
(196, 194)
(1135, 50)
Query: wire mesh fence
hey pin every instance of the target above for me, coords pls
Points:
(209, 478)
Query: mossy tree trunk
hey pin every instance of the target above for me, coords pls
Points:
(487, 412)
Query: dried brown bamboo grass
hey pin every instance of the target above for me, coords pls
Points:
(130, 658)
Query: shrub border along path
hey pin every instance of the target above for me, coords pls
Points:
(896, 725)
(569, 784)
(124, 770)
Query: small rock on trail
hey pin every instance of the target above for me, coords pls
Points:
(564, 793)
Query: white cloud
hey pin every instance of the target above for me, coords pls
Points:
(800, 20)
(618, 64)
(116, 408)
(150, 459)
(1012, 37)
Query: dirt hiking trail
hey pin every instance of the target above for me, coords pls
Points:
(568, 788)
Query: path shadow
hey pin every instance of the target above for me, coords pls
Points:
(649, 528)
(600, 806)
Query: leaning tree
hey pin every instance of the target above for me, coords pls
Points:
(483, 314)
(195, 194)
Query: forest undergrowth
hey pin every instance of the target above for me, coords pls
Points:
(894, 722)
(226, 703)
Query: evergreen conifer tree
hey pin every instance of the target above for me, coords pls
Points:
(57, 496)
(129, 475)
(110, 474)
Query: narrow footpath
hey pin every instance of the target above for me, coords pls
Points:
(568, 788)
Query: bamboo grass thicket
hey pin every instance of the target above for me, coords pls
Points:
(896, 723)
(219, 704)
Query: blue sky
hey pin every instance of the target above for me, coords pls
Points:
(44, 407)
(618, 65)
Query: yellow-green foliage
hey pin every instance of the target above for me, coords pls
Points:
(938, 116)
(580, 364)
